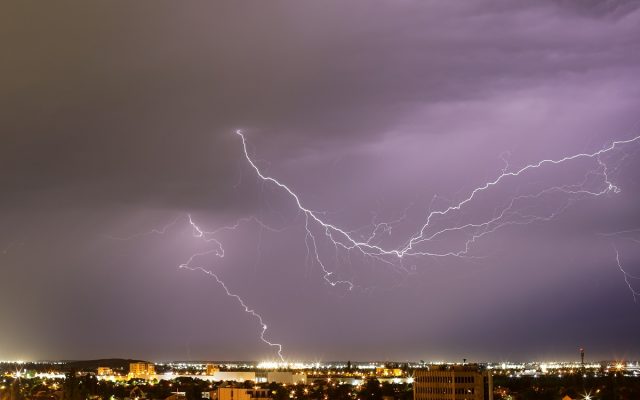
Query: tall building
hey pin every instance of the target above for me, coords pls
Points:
(142, 370)
(452, 382)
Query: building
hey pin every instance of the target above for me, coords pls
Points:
(388, 372)
(234, 376)
(452, 382)
(232, 393)
(282, 377)
(212, 369)
(142, 370)
(105, 371)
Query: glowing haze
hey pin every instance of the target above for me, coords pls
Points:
(413, 180)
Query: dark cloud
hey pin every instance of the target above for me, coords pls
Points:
(607, 8)
(118, 117)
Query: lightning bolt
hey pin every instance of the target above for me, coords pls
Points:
(627, 277)
(239, 299)
(414, 245)
(369, 244)
(209, 237)
(219, 251)
(627, 234)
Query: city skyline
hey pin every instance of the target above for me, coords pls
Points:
(303, 181)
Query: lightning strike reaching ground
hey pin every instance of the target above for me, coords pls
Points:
(247, 309)
(219, 251)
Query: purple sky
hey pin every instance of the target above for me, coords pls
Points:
(118, 118)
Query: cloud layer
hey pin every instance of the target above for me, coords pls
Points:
(118, 118)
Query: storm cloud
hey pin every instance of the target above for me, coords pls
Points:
(117, 118)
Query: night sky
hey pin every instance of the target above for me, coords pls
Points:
(118, 120)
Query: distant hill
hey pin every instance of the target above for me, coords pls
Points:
(117, 364)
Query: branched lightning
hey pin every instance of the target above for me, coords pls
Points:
(368, 241)
(414, 246)
(217, 250)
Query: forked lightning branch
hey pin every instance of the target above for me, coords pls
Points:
(597, 180)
